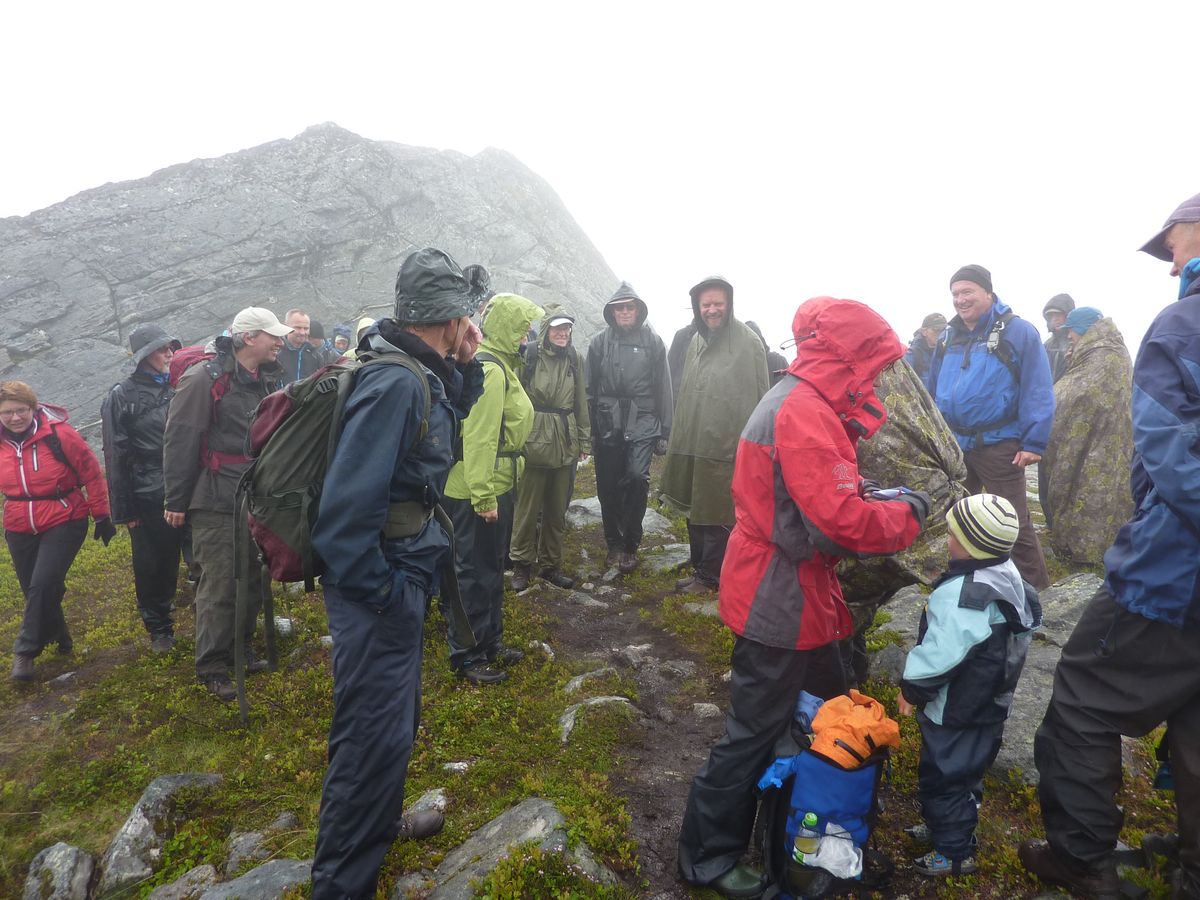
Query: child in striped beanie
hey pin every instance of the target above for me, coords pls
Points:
(974, 634)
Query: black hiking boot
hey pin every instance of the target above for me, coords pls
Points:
(1042, 860)
(740, 882)
(481, 673)
(418, 825)
(627, 562)
(506, 656)
(22, 669)
(557, 578)
(520, 577)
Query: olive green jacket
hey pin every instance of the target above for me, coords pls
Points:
(555, 382)
(494, 432)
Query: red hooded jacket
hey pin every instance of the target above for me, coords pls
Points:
(31, 469)
(796, 488)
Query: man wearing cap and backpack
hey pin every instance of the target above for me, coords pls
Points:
(134, 417)
(1058, 345)
(203, 459)
(990, 378)
(923, 343)
(383, 547)
(1133, 660)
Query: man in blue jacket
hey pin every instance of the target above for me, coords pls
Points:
(991, 380)
(382, 550)
(1133, 660)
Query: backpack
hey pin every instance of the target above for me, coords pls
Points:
(996, 343)
(803, 782)
(291, 440)
(220, 380)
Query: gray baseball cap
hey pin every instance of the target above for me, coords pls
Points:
(1187, 211)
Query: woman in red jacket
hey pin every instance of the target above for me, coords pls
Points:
(51, 483)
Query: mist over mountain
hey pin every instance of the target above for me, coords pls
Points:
(320, 221)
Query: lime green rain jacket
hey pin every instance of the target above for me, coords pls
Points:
(491, 462)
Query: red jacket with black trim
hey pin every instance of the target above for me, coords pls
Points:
(29, 468)
(796, 487)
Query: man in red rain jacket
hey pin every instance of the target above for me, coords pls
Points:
(800, 506)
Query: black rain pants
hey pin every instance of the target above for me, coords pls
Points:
(1120, 674)
(950, 781)
(765, 683)
(156, 551)
(622, 486)
(41, 562)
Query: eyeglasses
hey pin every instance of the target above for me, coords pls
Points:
(15, 413)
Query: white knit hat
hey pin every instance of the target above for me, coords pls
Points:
(985, 524)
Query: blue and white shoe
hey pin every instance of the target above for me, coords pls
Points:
(933, 863)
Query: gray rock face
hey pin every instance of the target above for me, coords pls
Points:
(1063, 602)
(533, 820)
(268, 882)
(60, 872)
(133, 854)
(667, 557)
(321, 221)
(190, 887)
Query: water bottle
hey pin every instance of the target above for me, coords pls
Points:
(808, 839)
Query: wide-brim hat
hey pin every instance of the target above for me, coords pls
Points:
(1187, 211)
(145, 339)
(431, 287)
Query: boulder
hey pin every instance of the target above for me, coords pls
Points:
(534, 821)
(134, 853)
(566, 722)
(668, 557)
(190, 887)
(1062, 604)
(60, 872)
(268, 882)
(585, 511)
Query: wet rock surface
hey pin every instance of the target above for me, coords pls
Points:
(60, 872)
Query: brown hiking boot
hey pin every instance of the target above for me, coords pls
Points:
(220, 687)
(22, 667)
(520, 576)
(1042, 860)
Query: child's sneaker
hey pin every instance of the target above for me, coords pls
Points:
(933, 863)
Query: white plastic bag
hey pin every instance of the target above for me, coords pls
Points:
(836, 853)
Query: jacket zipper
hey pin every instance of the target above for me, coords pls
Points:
(25, 483)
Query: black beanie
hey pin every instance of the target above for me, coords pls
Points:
(978, 274)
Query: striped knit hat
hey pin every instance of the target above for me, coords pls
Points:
(985, 524)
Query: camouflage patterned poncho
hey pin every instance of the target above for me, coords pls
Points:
(914, 448)
(1083, 477)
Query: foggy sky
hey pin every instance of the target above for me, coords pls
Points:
(860, 150)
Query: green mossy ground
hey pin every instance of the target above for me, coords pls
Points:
(75, 757)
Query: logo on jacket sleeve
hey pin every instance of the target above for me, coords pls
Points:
(844, 478)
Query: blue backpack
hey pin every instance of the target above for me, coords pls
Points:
(807, 782)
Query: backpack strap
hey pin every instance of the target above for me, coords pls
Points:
(54, 442)
(999, 345)
(492, 358)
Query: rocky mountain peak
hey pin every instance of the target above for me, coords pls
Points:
(320, 221)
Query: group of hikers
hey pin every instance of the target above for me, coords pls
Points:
(812, 491)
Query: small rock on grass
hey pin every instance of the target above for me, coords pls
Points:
(456, 768)
(706, 710)
(566, 722)
(192, 885)
(60, 872)
(434, 799)
(578, 681)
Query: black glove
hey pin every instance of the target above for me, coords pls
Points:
(105, 530)
(868, 485)
(660, 447)
(919, 503)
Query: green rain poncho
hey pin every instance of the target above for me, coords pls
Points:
(724, 377)
(1083, 477)
(915, 448)
(491, 464)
